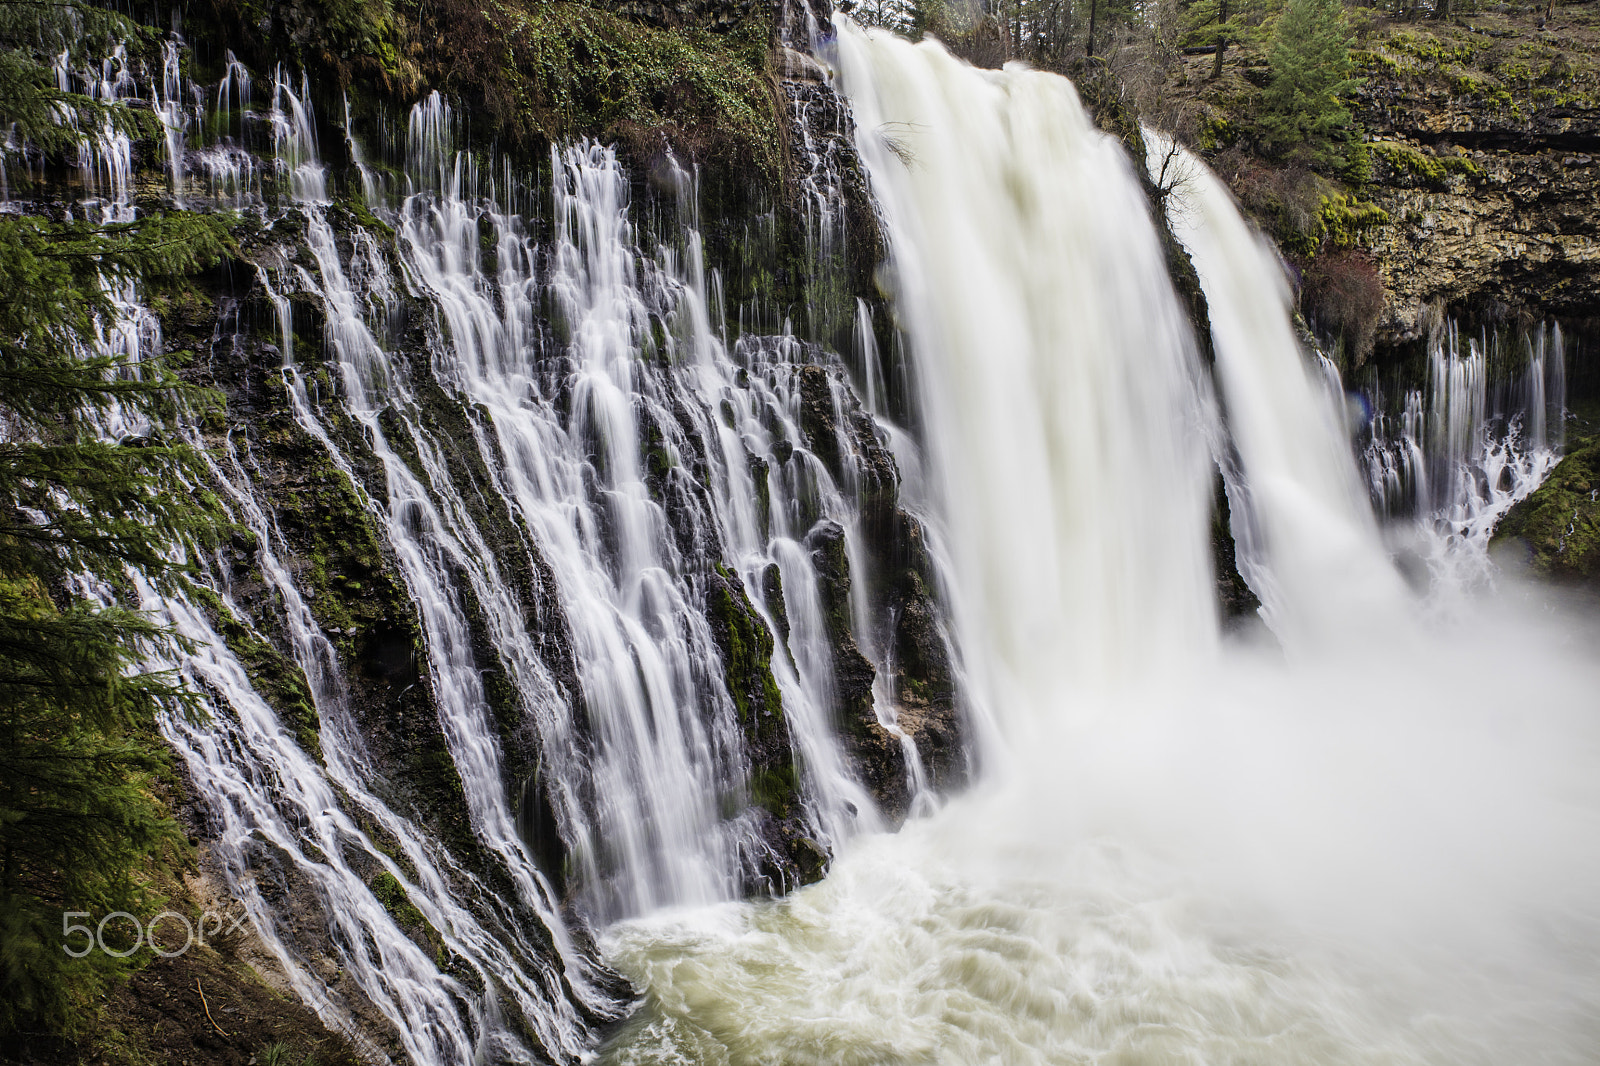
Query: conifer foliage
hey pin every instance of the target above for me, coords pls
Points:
(1303, 109)
(90, 489)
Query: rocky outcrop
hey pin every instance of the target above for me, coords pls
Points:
(1555, 532)
(1482, 218)
(901, 588)
(1467, 192)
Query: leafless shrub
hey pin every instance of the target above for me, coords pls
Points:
(1343, 292)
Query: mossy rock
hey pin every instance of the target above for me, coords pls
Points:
(1413, 166)
(277, 678)
(1555, 532)
(746, 648)
(556, 70)
(1345, 220)
(392, 894)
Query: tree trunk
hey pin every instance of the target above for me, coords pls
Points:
(1222, 38)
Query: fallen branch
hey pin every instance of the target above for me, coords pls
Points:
(207, 1006)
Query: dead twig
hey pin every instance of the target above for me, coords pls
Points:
(207, 1006)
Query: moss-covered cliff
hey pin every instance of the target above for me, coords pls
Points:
(1470, 187)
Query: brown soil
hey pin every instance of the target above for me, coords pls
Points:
(205, 1007)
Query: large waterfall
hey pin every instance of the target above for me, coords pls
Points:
(644, 620)
(1366, 837)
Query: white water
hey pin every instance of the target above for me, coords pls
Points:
(1464, 449)
(1323, 572)
(263, 788)
(644, 763)
(1058, 383)
(281, 819)
(1376, 844)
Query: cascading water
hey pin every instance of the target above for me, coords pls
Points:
(267, 791)
(657, 482)
(1482, 434)
(274, 803)
(1079, 419)
(1325, 576)
(1184, 850)
(1362, 847)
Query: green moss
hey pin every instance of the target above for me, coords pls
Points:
(1357, 169)
(181, 303)
(341, 547)
(392, 894)
(275, 677)
(775, 789)
(1345, 219)
(1557, 528)
(1431, 51)
(363, 216)
(1371, 62)
(746, 650)
(746, 647)
(1521, 71)
(573, 70)
(1407, 161)
(1216, 132)
(1471, 85)
(345, 42)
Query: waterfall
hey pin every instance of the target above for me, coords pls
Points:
(597, 503)
(1324, 571)
(1055, 385)
(1361, 842)
(599, 498)
(1482, 432)
(283, 818)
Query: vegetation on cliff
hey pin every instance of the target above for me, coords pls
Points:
(1303, 110)
(570, 69)
(91, 483)
(655, 79)
(1462, 171)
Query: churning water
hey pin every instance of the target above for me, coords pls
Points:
(1364, 834)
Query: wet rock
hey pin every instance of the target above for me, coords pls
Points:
(1555, 532)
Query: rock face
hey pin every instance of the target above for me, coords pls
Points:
(918, 694)
(1471, 184)
(1484, 146)
(1484, 216)
(1555, 532)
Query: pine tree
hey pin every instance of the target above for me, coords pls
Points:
(78, 746)
(1303, 110)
